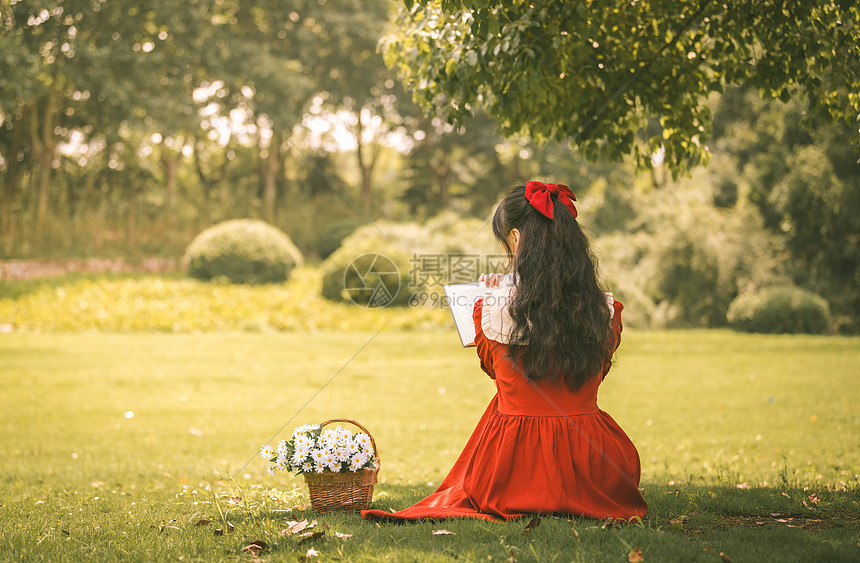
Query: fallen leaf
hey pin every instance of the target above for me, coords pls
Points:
(343, 536)
(443, 533)
(635, 556)
(221, 532)
(311, 536)
(725, 557)
(235, 500)
(312, 552)
(202, 522)
(297, 527)
(785, 494)
(611, 523)
(256, 547)
(533, 523)
(814, 498)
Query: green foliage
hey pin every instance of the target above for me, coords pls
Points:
(181, 305)
(804, 181)
(242, 251)
(333, 235)
(681, 261)
(549, 68)
(781, 309)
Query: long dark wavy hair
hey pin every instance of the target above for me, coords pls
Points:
(561, 321)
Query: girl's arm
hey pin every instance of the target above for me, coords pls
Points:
(482, 344)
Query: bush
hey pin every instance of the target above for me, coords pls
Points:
(346, 266)
(242, 251)
(444, 237)
(331, 236)
(780, 309)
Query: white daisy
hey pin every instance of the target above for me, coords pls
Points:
(329, 460)
(304, 441)
(266, 452)
(344, 436)
(363, 440)
(270, 469)
(318, 455)
(361, 458)
(307, 467)
(341, 453)
(300, 454)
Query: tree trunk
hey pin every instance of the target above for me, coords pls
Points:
(208, 183)
(366, 165)
(270, 180)
(170, 163)
(443, 175)
(131, 223)
(44, 145)
(9, 197)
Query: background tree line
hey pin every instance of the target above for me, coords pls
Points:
(128, 127)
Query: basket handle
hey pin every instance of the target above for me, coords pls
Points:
(366, 431)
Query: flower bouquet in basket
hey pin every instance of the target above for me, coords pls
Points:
(339, 466)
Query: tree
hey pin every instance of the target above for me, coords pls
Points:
(63, 73)
(454, 168)
(802, 175)
(619, 78)
(352, 77)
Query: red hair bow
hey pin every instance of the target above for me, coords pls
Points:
(540, 197)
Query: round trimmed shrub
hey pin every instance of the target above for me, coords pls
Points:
(333, 235)
(780, 309)
(444, 237)
(242, 251)
(344, 268)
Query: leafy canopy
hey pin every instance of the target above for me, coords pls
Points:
(624, 77)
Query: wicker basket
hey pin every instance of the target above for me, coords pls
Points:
(343, 492)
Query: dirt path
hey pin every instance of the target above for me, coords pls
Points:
(29, 269)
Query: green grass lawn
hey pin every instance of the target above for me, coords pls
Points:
(141, 446)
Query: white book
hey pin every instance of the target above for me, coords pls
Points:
(461, 299)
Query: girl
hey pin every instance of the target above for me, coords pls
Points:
(546, 336)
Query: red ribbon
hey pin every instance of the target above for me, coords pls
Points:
(540, 197)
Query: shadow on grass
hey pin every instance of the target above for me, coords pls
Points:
(684, 523)
(696, 508)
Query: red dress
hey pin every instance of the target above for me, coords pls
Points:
(539, 448)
